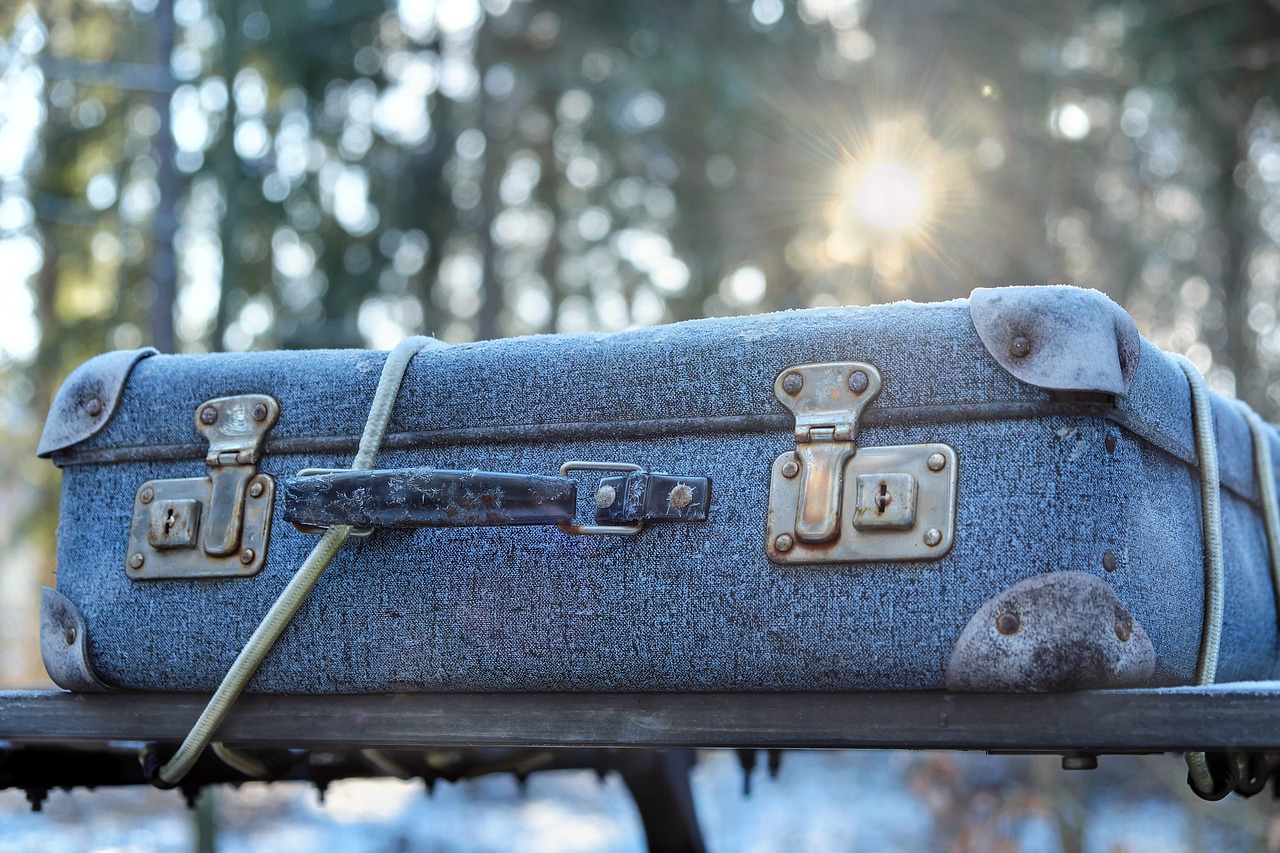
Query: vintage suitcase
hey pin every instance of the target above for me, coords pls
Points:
(1010, 492)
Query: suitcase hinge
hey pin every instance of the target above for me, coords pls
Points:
(902, 498)
(214, 526)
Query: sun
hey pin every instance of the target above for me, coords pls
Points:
(891, 191)
(890, 197)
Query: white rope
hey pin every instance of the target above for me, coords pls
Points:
(1265, 472)
(1211, 522)
(278, 617)
(247, 764)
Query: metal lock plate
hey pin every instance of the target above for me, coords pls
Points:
(214, 526)
(831, 501)
(170, 560)
(863, 535)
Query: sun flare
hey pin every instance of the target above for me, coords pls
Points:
(893, 190)
(888, 196)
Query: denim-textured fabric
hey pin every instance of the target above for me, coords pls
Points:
(687, 606)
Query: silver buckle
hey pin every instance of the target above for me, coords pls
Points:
(599, 529)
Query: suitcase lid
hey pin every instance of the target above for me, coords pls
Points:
(1006, 352)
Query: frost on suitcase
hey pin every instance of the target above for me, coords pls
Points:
(1001, 493)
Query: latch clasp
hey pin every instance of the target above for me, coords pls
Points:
(902, 498)
(827, 400)
(214, 526)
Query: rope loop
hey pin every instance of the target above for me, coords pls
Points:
(282, 612)
(1203, 774)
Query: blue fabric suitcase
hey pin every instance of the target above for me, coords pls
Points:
(1011, 492)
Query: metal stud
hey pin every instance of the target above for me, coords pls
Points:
(1008, 623)
(208, 415)
(792, 383)
(784, 543)
(259, 412)
(255, 490)
(936, 462)
(790, 469)
(1020, 347)
(136, 561)
(147, 495)
(246, 556)
(93, 407)
(606, 496)
(932, 536)
(858, 381)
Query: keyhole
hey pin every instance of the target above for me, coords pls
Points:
(882, 499)
(168, 521)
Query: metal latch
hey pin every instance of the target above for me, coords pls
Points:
(214, 526)
(831, 501)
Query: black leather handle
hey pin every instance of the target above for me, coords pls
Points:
(428, 497)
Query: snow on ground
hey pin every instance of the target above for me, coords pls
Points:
(870, 801)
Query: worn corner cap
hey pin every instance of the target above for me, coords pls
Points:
(87, 399)
(1052, 633)
(64, 645)
(1058, 337)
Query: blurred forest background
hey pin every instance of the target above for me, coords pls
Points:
(237, 174)
(228, 174)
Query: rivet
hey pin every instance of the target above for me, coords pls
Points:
(790, 468)
(147, 495)
(1124, 630)
(936, 462)
(1108, 561)
(208, 415)
(784, 543)
(681, 496)
(1110, 443)
(932, 536)
(247, 555)
(1008, 623)
(70, 635)
(136, 561)
(93, 407)
(255, 490)
(858, 381)
(606, 496)
(792, 383)
(259, 411)
(1020, 347)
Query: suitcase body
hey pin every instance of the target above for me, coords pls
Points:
(1007, 497)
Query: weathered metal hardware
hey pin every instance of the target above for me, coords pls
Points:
(1058, 338)
(642, 496)
(64, 644)
(831, 501)
(826, 405)
(88, 398)
(214, 526)
(885, 501)
(600, 529)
